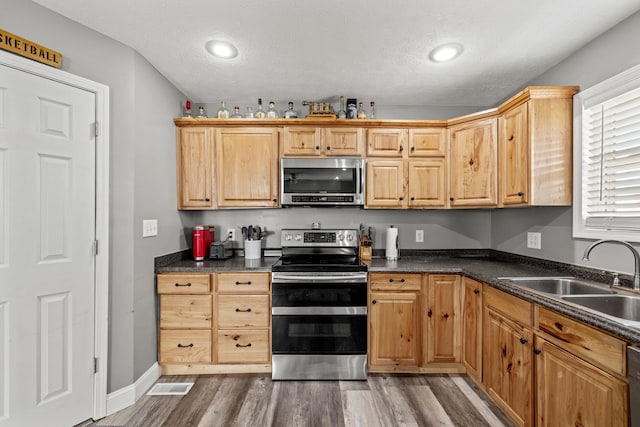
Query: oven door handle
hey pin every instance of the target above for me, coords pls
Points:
(351, 278)
(319, 311)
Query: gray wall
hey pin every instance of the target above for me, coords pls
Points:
(142, 173)
(611, 53)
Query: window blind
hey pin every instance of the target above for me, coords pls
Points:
(611, 163)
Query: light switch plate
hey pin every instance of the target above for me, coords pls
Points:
(419, 236)
(534, 240)
(149, 227)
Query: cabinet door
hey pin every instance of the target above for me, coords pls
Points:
(247, 160)
(195, 167)
(301, 141)
(386, 142)
(343, 141)
(427, 183)
(507, 366)
(473, 164)
(572, 392)
(427, 142)
(394, 329)
(443, 319)
(514, 156)
(386, 184)
(472, 327)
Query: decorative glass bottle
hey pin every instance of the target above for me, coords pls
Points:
(236, 113)
(260, 114)
(187, 109)
(342, 114)
(223, 113)
(290, 113)
(249, 113)
(201, 113)
(373, 110)
(361, 113)
(271, 112)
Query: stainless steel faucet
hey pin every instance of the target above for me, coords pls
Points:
(636, 256)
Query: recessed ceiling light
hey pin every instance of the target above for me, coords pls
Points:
(446, 52)
(221, 49)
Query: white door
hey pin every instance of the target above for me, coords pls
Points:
(47, 265)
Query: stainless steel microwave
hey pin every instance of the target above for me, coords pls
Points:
(331, 181)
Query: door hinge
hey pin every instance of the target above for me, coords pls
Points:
(95, 365)
(95, 247)
(96, 128)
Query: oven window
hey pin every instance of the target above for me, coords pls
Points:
(319, 295)
(320, 180)
(325, 334)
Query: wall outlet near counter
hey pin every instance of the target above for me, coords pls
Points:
(231, 233)
(419, 236)
(149, 227)
(534, 240)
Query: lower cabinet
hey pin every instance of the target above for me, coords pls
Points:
(443, 319)
(472, 327)
(214, 323)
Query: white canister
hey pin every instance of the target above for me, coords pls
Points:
(392, 244)
(253, 249)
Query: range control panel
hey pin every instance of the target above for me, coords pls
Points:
(323, 238)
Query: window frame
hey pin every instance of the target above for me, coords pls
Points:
(617, 85)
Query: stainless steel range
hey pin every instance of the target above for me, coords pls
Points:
(319, 307)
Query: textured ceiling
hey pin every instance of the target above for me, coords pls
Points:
(367, 49)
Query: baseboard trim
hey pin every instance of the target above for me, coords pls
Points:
(127, 396)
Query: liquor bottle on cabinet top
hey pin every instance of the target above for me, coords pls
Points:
(361, 113)
(271, 112)
(249, 113)
(290, 113)
(187, 109)
(373, 110)
(342, 114)
(201, 113)
(236, 113)
(223, 113)
(260, 114)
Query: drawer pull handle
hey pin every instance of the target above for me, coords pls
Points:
(248, 310)
(394, 280)
(523, 341)
(185, 346)
(476, 291)
(243, 283)
(183, 284)
(246, 345)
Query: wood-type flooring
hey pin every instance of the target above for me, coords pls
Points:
(254, 400)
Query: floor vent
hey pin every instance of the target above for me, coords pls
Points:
(170, 389)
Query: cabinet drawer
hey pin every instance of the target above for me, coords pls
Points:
(595, 346)
(396, 282)
(244, 346)
(243, 311)
(243, 283)
(185, 311)
(184, 346)
(510, 306)
(184, 283)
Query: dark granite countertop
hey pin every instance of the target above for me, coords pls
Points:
(485, 266)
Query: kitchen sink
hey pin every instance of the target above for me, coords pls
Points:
(559, 285)
(620, 306)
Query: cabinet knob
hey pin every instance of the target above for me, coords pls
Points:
(412, 199)
(401, 198)
(451, 198)
(401, 149)
(413, 149)
(275, 200)
(520, 193)
(317, 147)
(430, 313)
(476, 291)
(374, 302)
(328, 148)
(523, 341)
(207, 199)
(537, 351)
(511, 138)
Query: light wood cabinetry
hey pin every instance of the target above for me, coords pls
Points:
(386, 184)
(214, 323)
(299, 141)
(443, 320)
(472, 327)
(394, 321)
(427, 142)
(427, 183)
(195, 167)
(536, 147)
(384, 142)
(507, 359)
(473, 163)
(247, 167)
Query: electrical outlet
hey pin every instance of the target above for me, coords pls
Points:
(419, 236)
(149, 227)
(534, 240)
(231, 233)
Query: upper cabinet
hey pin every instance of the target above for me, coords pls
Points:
(299, 141)
(194, 165)
(427, 142)
(383, 142)
(247, 166)
(473, 163)
(536, 147)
